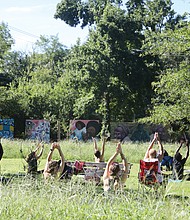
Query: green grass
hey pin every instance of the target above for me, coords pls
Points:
(26, 198)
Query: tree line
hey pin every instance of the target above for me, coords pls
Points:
(133, 66)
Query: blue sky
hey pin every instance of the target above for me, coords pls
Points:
(28, 19)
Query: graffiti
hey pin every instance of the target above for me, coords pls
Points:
(38, 130)
(140, 133)
(84, 130)
(136, 132)
(121, 132)
(7, 128)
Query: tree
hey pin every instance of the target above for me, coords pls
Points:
(75, 12)
(31, 91)
(116, 71)
(49, 53)
(5, 39)
(108, 73)
(6, 42)
(171, 102)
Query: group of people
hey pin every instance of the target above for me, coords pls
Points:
(52, 167)
(113, 177)
(175, 163)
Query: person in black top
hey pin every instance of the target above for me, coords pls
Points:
(32, 159)
(167, 161)
(179, 162)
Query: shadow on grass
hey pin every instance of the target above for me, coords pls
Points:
(173, 196)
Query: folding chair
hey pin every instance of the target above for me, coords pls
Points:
(148, 174)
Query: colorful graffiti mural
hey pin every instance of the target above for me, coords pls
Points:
(136, 132)
(84, 130)
(38, 130)
(7, 128)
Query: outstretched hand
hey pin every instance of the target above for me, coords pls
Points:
(118, 148)
(156, 136)
(57, 145)
(54, 145)
(187, 142)
(41, 144)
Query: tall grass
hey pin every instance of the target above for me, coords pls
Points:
(31, 198)
(34, 199)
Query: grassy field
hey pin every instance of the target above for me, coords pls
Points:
(27, 198)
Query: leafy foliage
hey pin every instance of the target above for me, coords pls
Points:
(131, 46)
(172, 89)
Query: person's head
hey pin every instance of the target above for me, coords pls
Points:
(182, 140)
(97, 154)
(121, 132)
(30, 156)
(114, 169)
(79, 125)
(53, 167)
(93, 128)
(178, 156)
(152, 153)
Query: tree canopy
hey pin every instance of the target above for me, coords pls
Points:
(134, 65)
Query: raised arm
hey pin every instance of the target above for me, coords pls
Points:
(124, 161)
(187, 152)
(125, 166)
(110, 161)
(42, 148)
(103, 147)
(150, 147)
(161, 149)
(37, 148)
(181, 144)
(62, 164)
(49, 157)
(95, 144)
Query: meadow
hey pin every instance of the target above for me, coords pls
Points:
(31, 198)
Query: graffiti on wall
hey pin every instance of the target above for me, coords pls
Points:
(84, 130)
(136, 132)
(7, 128)
(38, 130)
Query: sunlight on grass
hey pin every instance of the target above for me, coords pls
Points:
(31, 198)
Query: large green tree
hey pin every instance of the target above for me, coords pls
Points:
(111, 78)
(171, 102)
(6, 42)
(120, 68)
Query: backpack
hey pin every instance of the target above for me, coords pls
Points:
(78, 167)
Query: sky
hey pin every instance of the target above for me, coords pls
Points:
(28, 19)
